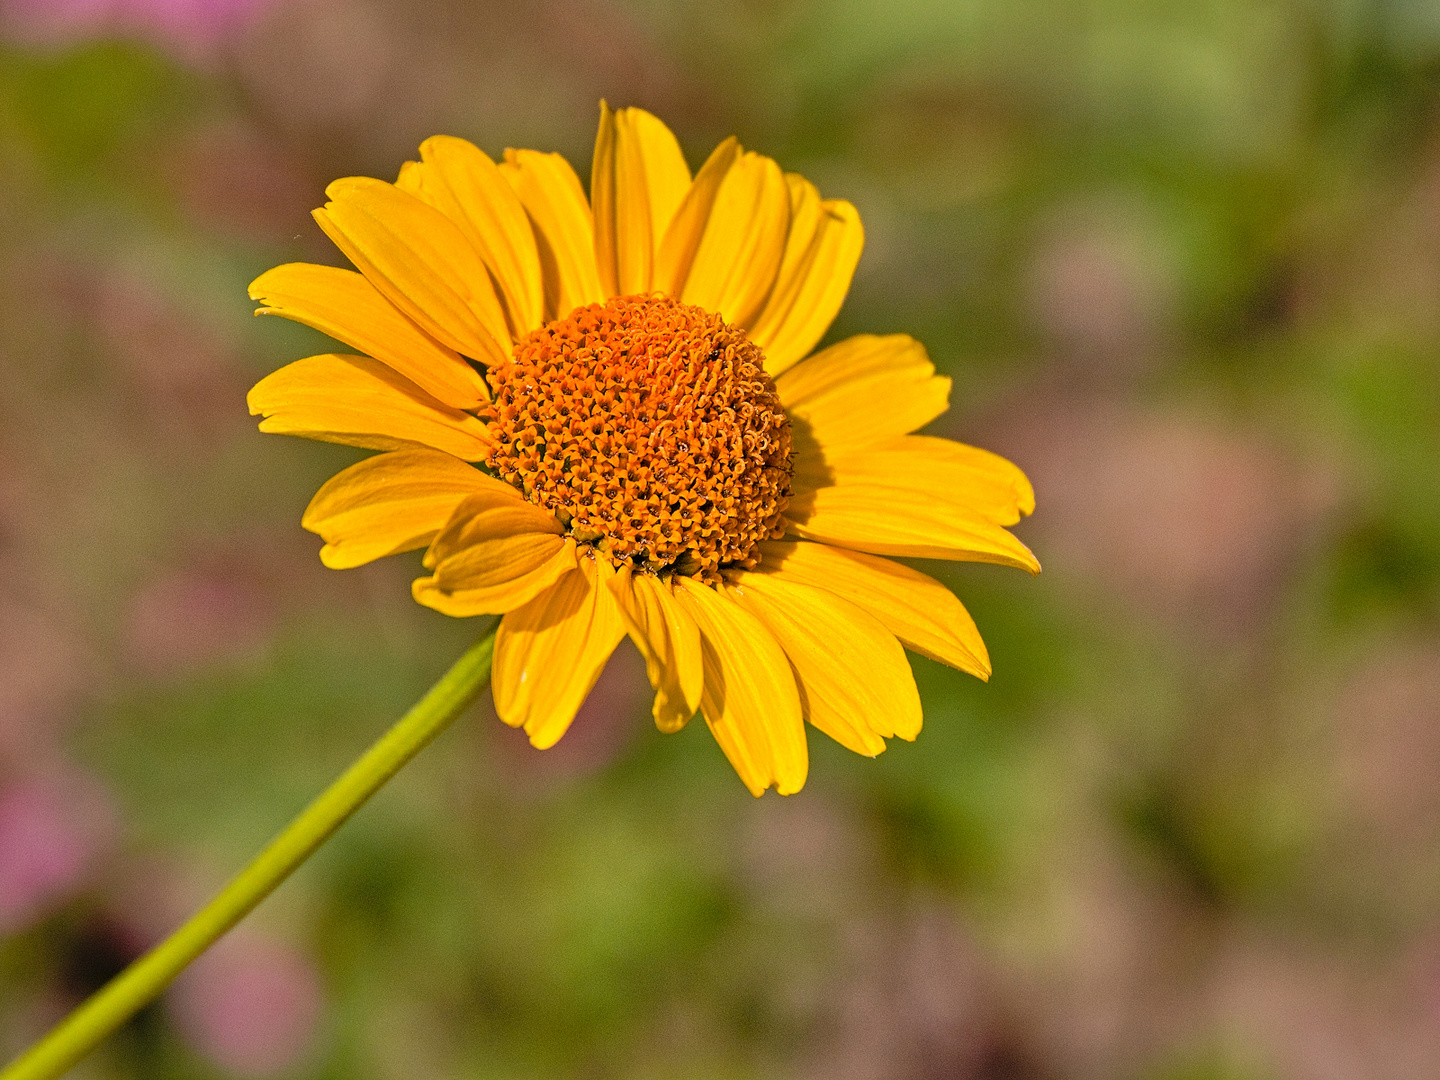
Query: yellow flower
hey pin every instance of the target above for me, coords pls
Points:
(654, 458)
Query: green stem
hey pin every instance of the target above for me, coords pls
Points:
(142, 981)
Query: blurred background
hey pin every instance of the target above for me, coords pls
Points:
(1182, 260)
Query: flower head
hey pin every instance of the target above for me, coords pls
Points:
(598, 417)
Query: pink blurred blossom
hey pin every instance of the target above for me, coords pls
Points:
(193, 26)
(51, 830)
(250, 1005)
(193, 617)
(43, 670)
(185, 375)
(236, 178)
(1102, 285)
(1388, 742)
(1312, 1014)
(1178, 511)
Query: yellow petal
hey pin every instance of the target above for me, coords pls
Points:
(637, 182)
(493, 511)
(667, 176)
(496, 575)
(387, 504)
(682, 237)
(750, 699)
(807, 224)
(411, 178)
(855, 683)
(361, 402)
(914, 496)
(465, 184)
(916, 608)
(346, 306)
(616, 201)
(861, 390)
(821, 253)
(668, 638)
(564, 230)
(549, 653)
(421, 261)
(743, 242)
(965, 479)
(904, 520)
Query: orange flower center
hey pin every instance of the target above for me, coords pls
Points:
(650, 428)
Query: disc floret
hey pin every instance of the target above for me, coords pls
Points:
(651, 429)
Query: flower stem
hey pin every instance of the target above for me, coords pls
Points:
(143, 981)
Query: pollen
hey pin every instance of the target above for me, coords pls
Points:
(650, 428)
